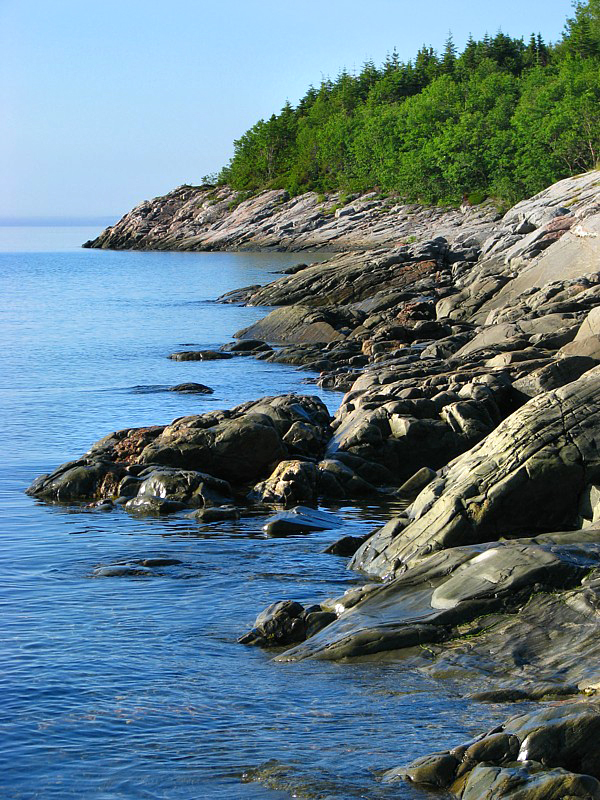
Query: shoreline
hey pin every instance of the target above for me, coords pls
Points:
(472, 371)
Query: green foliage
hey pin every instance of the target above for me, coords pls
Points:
(502, 119)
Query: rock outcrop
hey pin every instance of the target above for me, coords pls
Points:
(548, 754)
(194, 461)
(468, 348)
(218, 218)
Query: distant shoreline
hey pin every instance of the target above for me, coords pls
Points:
(57, 222)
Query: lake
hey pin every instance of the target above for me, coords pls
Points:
(135, 687)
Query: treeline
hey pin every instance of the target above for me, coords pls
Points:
(503, 119)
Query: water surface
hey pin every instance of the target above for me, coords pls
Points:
(135, 687)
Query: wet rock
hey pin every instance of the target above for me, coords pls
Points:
(248, 346)
(155, 506)
(240, 446)
(300, 520)
(292, 482)
(199, 355)
(547, 754)
(121, 571)
(457, 593)
(286, 622)
(187, 487)
(192, 388)
(160, 562)
(78, 480)
(216, 514)
(346, 546)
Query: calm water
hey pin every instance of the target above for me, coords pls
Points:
(134, 687)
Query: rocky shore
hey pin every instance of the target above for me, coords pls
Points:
(468, 348)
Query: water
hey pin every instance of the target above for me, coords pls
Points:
(135, 687)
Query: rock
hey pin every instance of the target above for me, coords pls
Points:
(187, 487)
(199, 355)
(292, 482)
(508, 594)
(346, 546)
(524, 477)
(584, 348)
(202, 218)
(156, 506)
(294, 324)
(300, 520)
(336, 480)
(121, 571)
(543, 755)
(193, 459)
(411, 488)
(286, 622)
(554, 375)
(192, 388)
(216, 514)
(250, 346)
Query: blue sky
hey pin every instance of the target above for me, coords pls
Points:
(109, 103)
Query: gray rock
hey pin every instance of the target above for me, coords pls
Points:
(291, 482)
(199, 355)
(192, 388)
(300, 520)
(524, 477)
(216, 514)
(548, 754)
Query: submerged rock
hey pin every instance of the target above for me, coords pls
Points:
(300, 520)
(192, 388)
(216, 514)
(199, 355)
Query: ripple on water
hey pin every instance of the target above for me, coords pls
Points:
(133, 686)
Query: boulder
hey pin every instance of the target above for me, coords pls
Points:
(526, 476)
(199, 355)
(192, 388)
(286, 622)
(291, 482)
(293, 324)
(240, 446)
(547, 754)
(300, 520)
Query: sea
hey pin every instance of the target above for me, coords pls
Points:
(135, 686)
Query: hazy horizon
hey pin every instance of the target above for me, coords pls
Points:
(107, 105)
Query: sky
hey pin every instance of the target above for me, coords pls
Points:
(111, 102)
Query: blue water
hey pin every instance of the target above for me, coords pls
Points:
(135, 687)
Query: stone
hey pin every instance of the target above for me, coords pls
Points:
(199, 355)
(192, 388)
(346, 546)
(216, 514)
(548, 754)
(300, 520)
(291, 482)
(526, 476)
(286, 622)
(155, 506)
